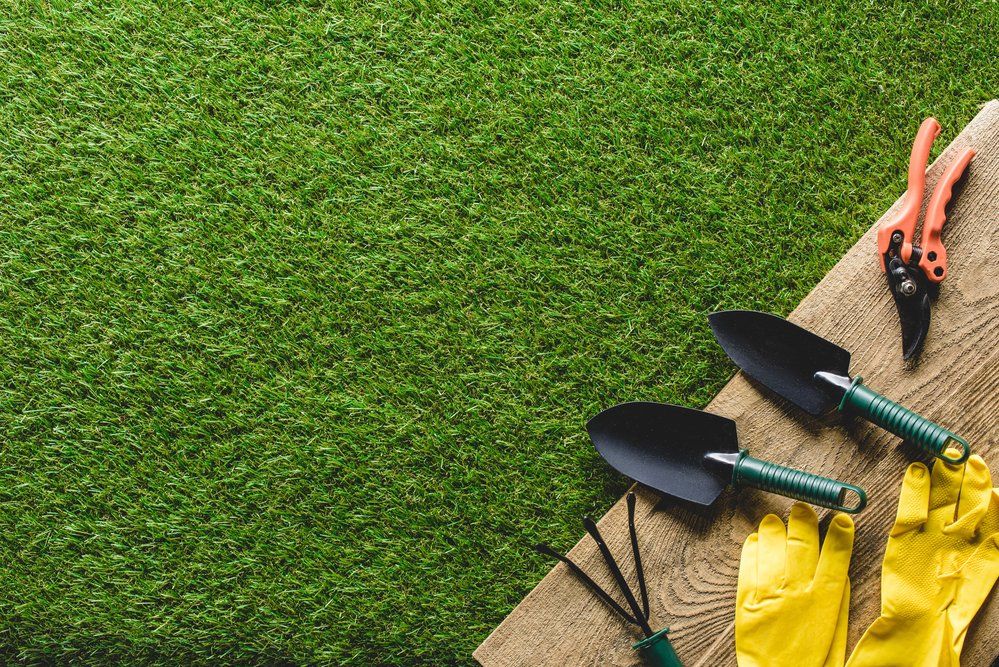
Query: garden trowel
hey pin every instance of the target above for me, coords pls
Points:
(693, 455)
(814, 374)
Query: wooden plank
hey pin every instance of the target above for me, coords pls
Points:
(692, 559)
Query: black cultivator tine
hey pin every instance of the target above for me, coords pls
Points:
(591, 528)
(636, 554)
(546, 550)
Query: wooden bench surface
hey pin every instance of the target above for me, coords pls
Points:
(691, 560)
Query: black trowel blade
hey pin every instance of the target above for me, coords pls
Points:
(663, 446)
(782, 356)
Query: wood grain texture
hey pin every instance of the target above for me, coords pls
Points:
(691, 558)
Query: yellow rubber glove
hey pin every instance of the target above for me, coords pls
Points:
(792, 603)
(942, 560)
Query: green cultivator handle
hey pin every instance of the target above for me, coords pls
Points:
(657, 651)
(797, 484)
(905, 423)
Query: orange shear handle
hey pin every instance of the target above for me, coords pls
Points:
(933, 261)
(907, 215)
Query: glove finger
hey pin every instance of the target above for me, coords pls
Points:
(746, 590)
(837, 650)
(834, 561)
(914, 500)
(945, 483)
(976, 495)
(802, 545)
(772, 556)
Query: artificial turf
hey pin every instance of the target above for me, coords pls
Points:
(304, 305)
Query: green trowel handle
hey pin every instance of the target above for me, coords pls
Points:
(796, 484)
(657, 651)
(903, 422)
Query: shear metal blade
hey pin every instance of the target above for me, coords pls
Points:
(913, 309)
(914, 316)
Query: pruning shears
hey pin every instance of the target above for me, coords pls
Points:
(913, 271)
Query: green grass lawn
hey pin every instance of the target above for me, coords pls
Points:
(304, 306)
